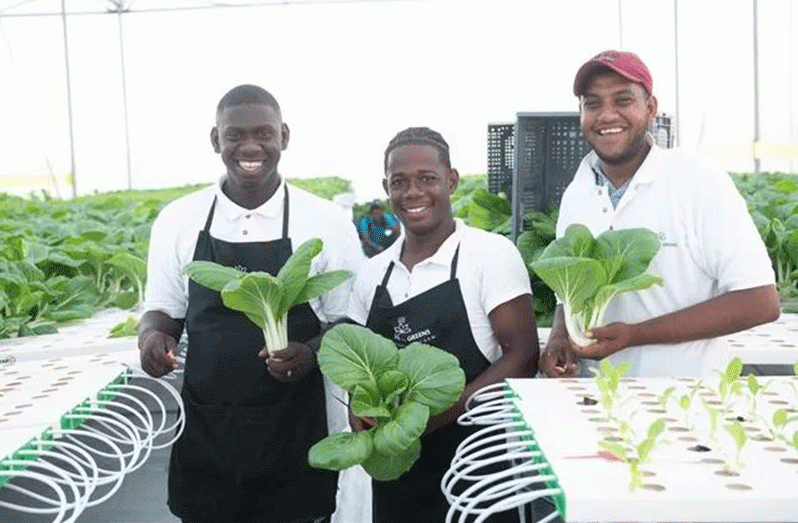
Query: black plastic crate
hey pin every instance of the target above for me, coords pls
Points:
(501, 157)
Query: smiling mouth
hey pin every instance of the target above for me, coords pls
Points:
(415, 210)
(609, 131)
(250, 166)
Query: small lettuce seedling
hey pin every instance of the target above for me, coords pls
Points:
(586, 273)
(642, 452)
(713, 414)
(738, 435)
(755, 390)
(399, 389)
(266, 299)
(607, 379)
(728, 385)
(685, 401)
(665, 396)
(778, 424)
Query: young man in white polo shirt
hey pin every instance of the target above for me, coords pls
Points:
(718, 277)
(463, 290)
(250, 417)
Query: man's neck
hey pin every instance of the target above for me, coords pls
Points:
(251, 198)
(417, 248)
(619, 174)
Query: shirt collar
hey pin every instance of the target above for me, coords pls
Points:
(646, 173)
(271, 208)
(443, 256)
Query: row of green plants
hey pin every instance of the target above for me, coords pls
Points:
(63, 260)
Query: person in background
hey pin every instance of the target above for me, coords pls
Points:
(718, 277)
(250, 417)
(461, 289)
(378, 230)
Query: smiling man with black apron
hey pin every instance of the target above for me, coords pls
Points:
(460, 289)
(250, 417)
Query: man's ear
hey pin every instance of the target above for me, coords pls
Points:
(651, 107)
(215, 140)
(385, 186)
(286, 132)
(454, 180)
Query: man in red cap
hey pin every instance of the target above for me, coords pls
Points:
(718, 276)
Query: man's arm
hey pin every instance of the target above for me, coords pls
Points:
(158, 337)
(730, 312)
(513, 324)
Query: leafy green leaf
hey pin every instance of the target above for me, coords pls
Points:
(352, 355)
(435, 377)
(385, 467)
(341, 451)
(734, 369)
(615, 448)
(256, 294)
(320, 284)
(365, 403)
(212, 275)
(294, 273)
(394, 437)
(129, 327)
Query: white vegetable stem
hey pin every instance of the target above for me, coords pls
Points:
(576, 329)
(275, 332)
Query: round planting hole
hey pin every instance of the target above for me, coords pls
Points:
(778, 402)
(650, 402)
(613, 438)
(727, 473)
(13, 413)
(607, 429)
(75, 372)
(714, 402)
(761, 437)
(699, 448)
(598, 420)
(647, 394)
(653, 487)
(790, 461)
(25, 406)
(658, 411)
(636, 387)
(40, 396)
(587, 400)
(738, 486)
(569, 380)
(678, 429)
(591, 411)
(776, 449)
(712, 461)
(687, 438)
(647, 473)
(770, 393)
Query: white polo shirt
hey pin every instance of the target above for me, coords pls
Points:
(709, 246)
(174, 237)
(489, 268)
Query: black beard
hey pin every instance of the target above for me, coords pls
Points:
(635, 146)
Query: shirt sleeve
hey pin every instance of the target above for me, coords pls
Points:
(733, 251)
(504, 275)
(362, 225)
(166, 288)
(342, 251)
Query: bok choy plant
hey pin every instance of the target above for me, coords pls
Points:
(399, 389)
(266, 299)
(586, 273)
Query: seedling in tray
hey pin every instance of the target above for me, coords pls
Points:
(641, 455)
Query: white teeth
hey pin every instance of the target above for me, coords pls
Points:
(611, 130)
(416, 210)
(249, 166)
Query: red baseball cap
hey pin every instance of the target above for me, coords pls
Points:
(626, 64)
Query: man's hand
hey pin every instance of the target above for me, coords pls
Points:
(290, 364)
(558, 359)
(158, 354)
(609, 340)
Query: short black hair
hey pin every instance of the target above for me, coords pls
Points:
(419, 136)
(375, 205)
(247, 94)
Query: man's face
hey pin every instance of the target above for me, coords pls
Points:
(419, 186)
(250, 138)
(615, 115)
(376, 213)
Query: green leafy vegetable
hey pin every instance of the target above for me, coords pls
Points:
(586, 273)
(266, 299)
(399, 389)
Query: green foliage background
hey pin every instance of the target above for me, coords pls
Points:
(62, 260)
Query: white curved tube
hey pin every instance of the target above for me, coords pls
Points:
(59, 518)
(111, 477)
(65, 504)
(120, 422)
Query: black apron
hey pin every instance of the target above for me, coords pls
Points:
(243, 454)
(436, 317)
